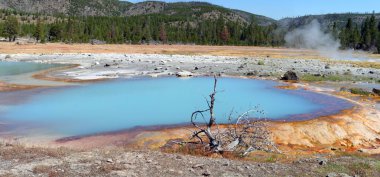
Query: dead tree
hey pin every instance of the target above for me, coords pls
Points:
(213, 142)
(243, 136)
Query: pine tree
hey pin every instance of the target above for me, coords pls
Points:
(11, 28)
(38, 33)
(366, 35)
(335, 30)
(372, 30)
(163, 35)
(378, 38)
(225, 35)
(345, 35)
(147, 36)
(55, 32)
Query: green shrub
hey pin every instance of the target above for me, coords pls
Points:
(359, 91)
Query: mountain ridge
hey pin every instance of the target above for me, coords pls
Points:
(203, 10)
(125, 8)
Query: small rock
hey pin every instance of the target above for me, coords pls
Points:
(251, 74)
(226, 164)
(98, 162)
(338, 175)
(184, 74)
(198, 166)
(264, 75)
(327, 66)
(322, 162)
(109, 160)
(107, 65)
(206, 173)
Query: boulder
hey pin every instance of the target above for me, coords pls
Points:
(376, 91)
(290, 76)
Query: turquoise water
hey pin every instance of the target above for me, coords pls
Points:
(123, 104)
(15, 68)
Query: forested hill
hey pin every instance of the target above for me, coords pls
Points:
(152, 22)
(113, 21)
(327, 20)
(201, 10)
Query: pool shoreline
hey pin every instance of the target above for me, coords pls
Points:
(142, 136)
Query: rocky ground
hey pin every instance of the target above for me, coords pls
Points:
(16, 160)
(100, 66)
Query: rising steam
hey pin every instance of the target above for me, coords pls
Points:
(312, 36)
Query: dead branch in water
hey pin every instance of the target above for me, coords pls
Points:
(243, 136)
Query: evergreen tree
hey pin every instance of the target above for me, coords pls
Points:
(38, 33)
(11, 28)
(163, 34)
(147, 36)
(55, 33)
(372, 30)
(378, 38)
(335, 32)
(225, 35)
(366, 35)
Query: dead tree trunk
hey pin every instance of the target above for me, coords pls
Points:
(246, 134)
(213, 142)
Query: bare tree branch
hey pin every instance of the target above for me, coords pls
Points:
(244, 136)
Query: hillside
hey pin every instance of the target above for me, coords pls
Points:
(326, 20)
(66, 7)
(199, 10)
(114, 21)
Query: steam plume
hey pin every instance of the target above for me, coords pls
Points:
(311, 36)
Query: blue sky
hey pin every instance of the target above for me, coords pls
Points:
(278, 9)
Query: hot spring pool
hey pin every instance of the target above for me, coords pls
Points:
(123, 104)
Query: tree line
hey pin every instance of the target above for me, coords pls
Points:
(365, 36)
(142, 29)
(160, 28)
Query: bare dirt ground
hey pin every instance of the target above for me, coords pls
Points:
(17, 160)
(51, 48)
